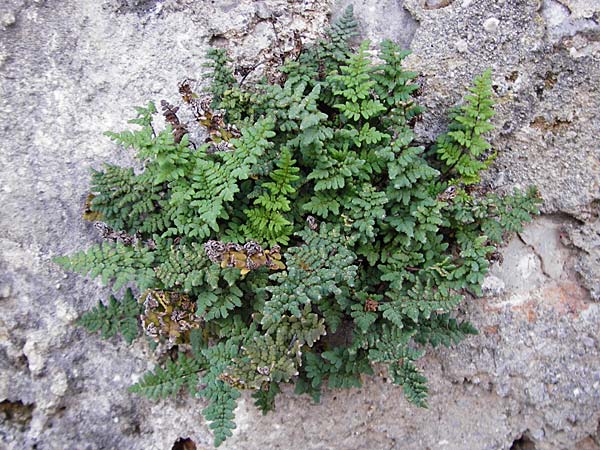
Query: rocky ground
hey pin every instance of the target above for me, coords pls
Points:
(71, 69)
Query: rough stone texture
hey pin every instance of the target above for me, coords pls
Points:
(71, 69)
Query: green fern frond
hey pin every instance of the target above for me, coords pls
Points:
(462, 148)
(168, 381)
(116, 264)
(118, 317)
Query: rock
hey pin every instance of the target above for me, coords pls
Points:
(537, 343)
(262, 11)
(491, 25)
(493, 286)
(5, 291)
(436, 4)
(8, 19)
(461, 45)
(543, 238)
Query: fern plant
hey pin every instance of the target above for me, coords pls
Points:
(309, 236)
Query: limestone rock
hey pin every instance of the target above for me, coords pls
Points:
(72, 69)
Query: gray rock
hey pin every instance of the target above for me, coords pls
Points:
(493, 286)
(461, 45)
(70, 70)
(382, 19)
(8, 19)
(491, 25)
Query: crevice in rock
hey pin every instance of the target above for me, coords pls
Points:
(184, 444)
(133, 6)
(218, 40)
(536, 253)
(554, 126)
(523, 442)
(16, 413)
(437, 4)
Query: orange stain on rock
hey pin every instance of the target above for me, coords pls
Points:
(528, 309)
(567, 298)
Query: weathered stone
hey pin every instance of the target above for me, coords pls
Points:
(8, 19)
(491, 25)
(70, 70)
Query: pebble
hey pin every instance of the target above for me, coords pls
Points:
(491, 25)
(588, 341)
(435, 4)
(493, 286)
(538, 434)
(8, 19)
(466, 3)
(34, 353)
(5, 291)
(59, 384)
(262, 11)
(461, 45)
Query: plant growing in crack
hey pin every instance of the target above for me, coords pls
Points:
(307, 239)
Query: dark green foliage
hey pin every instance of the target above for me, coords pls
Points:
(115, 264)
(266, 220)
(412, 381)
(443, 329)
(319, 269)
(168, 381)
(462, 149)
(373, 240)
(221, 396)
(265, 397)
(220, 74)
(117, 317)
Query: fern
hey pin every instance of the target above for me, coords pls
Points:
(117, 317)
(462, 148)
(265, 397)
(443, 329)
(312, 275)
(220, 74)
(115, 264)
(266, 221)
(168, 381)
(308, 238)
(221, 396)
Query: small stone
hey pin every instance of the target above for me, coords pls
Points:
(35, 357)
(262, 11)
(538, 434)
(503, 389)
(436, 4)
(8, 19)
(492, 286)
(5, 291)
(588, 341)
(461, 45)
(491, 25)
(466, 3)
(59, 384)
(64, 312)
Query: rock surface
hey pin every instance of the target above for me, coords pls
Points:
(74, 68)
